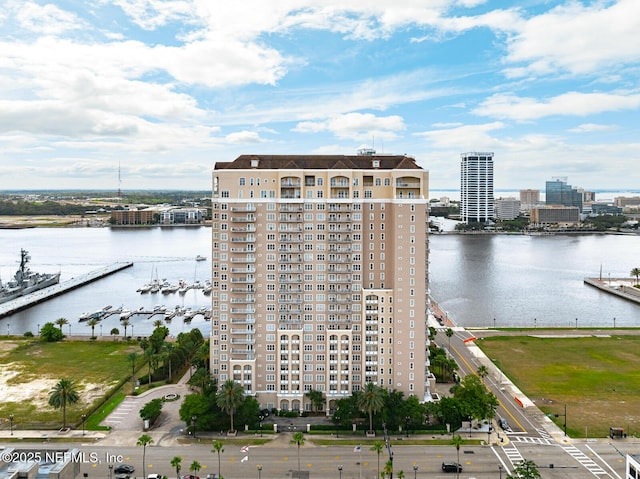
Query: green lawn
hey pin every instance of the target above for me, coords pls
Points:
(97, 368)
(598, 378)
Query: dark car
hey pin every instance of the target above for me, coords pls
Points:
(504, 425)
(122, 475)
(124, 469)
(190, 476)
(451, 467)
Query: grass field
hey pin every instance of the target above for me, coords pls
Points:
(31, 368)
(597, 378)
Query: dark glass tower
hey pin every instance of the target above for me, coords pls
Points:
(558, 192)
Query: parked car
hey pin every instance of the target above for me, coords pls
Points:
(451, 467)
(190, 476)
(124, 468)
(154, 476)
(122, 475)
(504, 424)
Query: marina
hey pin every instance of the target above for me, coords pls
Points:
(31, 299)
(159, 312)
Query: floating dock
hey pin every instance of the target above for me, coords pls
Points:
(623, 288)
(45, 294)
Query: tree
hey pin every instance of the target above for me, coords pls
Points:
(401, 474)
(316, 397)
(377, 447)
(50, 333)
(176, 462)
(298, 440)
(636, 272)
(61, 322)
(218, 448)
(63, 393)
(457, 441)
(157, 323)
(93, 322)
(125, 325)
(132, 357)
(230, 396)
(114, 332)
(482, 372)
(370, 400)
(144, 441)
(195, 466)
(474, 399)
(525, 470)
(388, 469)
(151, 411)
(449, 333)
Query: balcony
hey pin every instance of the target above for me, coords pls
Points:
(243, 219)
(243, 229)
(248, 259)
(243, 310)
(243, 209)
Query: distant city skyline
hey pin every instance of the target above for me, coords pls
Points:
(163, 90)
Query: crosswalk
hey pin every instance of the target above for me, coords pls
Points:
(533, 440)
(588, 463)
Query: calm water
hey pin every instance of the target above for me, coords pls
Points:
(163, 252)
(475, 278)
(532, 280)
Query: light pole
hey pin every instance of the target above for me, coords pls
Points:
(193, 422)
(489, 431)
(11, 423)
(563, 416)
(38, 329)
(407, 421)
(415, 471)
(110, 471)
(340, 471)
(500, 468)
(576, 323)
(614, 322)
(259, 467)
(535, 323)
(261, 417)
(83, 417)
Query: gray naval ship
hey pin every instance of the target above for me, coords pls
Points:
(26, 281)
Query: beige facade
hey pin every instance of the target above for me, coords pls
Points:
(552, 214)
(320, 276)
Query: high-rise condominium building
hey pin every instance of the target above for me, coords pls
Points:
(529, 199)
(320, 276)
(476, 187)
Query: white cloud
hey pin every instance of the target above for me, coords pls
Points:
(356, 126)
(244, 137)
(463, 138)
(577, 38)
(568, 104)
(46, 19)
(151, 14)
(591, 127)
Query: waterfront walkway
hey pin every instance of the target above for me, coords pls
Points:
(45, 294)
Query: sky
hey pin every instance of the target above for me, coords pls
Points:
(149, 94)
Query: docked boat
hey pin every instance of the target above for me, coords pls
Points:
(26, 281)
(201, 258)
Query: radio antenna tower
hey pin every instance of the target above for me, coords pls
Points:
(119, 183)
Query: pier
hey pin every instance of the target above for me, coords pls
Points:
(42, 295)
(622, 287)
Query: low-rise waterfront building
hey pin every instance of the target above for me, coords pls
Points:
(507, 208)
(555, 214)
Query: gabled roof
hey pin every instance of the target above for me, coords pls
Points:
(319, 162)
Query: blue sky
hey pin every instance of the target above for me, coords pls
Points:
(167, 88)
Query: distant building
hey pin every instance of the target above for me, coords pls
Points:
(623, 201)
(558, 192)
(476, 187)
(507, 208)
(529, 199)
(182, 216)
(632, 466)
(555, 214)
(134, 217)
(605, 209)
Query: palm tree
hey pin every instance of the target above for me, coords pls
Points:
(230, 397)
(143, 441)
(298, 440)
(401, 474)
(316, 398)
(482, 372)
(449, 333)
(125, 324)
(195, 466)
(636, 272)
(114, 332)
(132, 357)
(63, 393)
(61, 322)
(157, 323)
(370, 400)
(167, 350)
(388, 469)
(377, 447)
(457, 441)
(218, 448)
(177, 463)
(93, 322)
